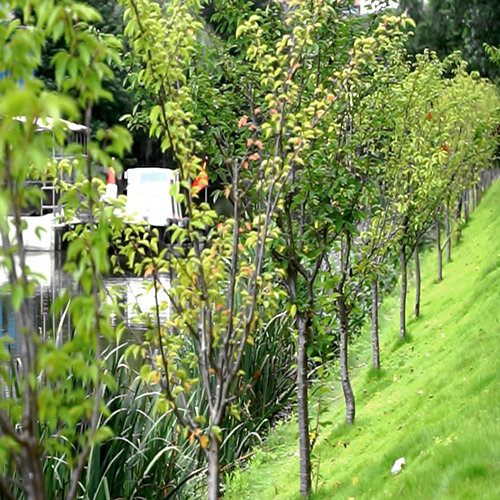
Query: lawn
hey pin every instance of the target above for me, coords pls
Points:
(436, 401)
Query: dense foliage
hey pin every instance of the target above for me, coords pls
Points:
(449, 25)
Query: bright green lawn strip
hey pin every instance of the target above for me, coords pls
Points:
(436, 402)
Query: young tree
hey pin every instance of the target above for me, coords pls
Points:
(44, 409)
(221, 280)
(411, 157)
(324, 205)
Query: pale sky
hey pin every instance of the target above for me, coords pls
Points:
(376, 4)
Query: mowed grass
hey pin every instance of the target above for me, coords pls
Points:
(436, 402)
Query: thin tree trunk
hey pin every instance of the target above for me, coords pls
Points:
(27, 458)
(350, 404)
(466, 205)
(404, 286)
(439, 252)
(458, 216)
(448, 233)
(302, 403)
(375, 338)
(458, 208)
(213, 458)
(417, 282)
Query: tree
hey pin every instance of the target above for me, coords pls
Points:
(222, 279)
(411, 156)
(446, 26)
(46, 410)
(324, 205)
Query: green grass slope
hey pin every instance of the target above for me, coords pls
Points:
(436, 402)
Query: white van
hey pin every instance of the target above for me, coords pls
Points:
(149, 198)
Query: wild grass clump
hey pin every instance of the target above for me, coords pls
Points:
(149, 456)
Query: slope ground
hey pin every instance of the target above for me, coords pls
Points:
(436, 402)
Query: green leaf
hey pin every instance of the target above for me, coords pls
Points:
(17, 297)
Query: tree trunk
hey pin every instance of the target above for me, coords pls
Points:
(458, 208)
(417, 282)
(439, 252)
(213, 458)
(448, 234)
(375, 339)
(404, 286)
(303, 326)
(466, 205)
(30, 464)
(350, 404)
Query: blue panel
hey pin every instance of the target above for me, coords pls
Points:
(153, 177)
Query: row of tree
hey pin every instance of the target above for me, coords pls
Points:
(337, 155)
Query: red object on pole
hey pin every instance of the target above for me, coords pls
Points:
(111, 186)
(111, 175)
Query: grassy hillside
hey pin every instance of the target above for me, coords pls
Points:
(436, 402)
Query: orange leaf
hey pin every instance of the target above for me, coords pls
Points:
(204, 441)
(242, 121)
(201, 182)
(248, 225)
